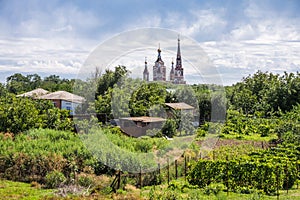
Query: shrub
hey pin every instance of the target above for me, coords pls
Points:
(201, 132)
(86, 180)
(54, 179)
(214, 189)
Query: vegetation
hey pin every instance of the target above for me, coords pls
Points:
(37, 144)
(264, 94)
(21, 114)
(18, 83)
(26, 191)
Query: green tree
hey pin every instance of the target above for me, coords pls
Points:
(3, 90)
(21, 114)
(149, 97)
(266, 93)
(17, 83)
(110, 78)
(169, 128)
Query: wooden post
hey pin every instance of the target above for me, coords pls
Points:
(119, 179)
(168, 172)
(158, 171)
(277, 182)
(185, 165)
(140, 177)
(176, 171)
(286, 177)
(297, 167)
(227, 176)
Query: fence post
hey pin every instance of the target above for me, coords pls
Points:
(277, 183)
(286, 178)
(176, 171)
(119, 179)
(140, 177)
(297, 166)
(227, 176)
(168, 172)
(185, 165)
(158, 168)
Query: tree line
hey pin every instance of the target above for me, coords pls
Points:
(19, 83)
(262, 94)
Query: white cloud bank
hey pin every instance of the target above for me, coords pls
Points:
(59, 42)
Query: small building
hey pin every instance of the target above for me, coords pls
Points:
(183, 108)
(138, 126)
(64, 100)
(34, 93)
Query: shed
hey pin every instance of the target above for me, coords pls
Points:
(180, 106)
(138, 126)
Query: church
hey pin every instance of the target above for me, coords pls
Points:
(159, 69)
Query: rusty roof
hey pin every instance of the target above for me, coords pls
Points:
(145, 119)
(180, 106)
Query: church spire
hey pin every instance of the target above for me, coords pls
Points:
(159, 53)
(179, 77)
(172, 72)
(146, 72)
(178, 59)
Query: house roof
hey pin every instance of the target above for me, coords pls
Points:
(63, 95)
(34, 93)
(180, 106)
(145, 119)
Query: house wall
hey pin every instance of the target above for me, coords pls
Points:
(68, 105)
(139, 128)
(57, 103)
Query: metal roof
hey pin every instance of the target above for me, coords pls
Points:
(34, 93)
(144, 119)
(180, 106)
(63, 95)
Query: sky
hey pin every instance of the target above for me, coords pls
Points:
(239, 37)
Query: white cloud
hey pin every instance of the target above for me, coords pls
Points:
(37, 55)
(197, 22)
(62, 38)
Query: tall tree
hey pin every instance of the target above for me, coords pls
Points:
(110, 78)
(17, 83)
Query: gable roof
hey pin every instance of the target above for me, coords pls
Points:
(144, 119)
(34, 93)
(63, 95)
(180, 106)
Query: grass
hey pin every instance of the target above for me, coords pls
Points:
(18, 190)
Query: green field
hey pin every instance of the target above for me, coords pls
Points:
(18, 190)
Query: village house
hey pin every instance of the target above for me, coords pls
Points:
(60, 99)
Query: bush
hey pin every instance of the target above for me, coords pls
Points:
(22, 114)
(86, 180)
(201, 132)
(214, 189)
(54, 179)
